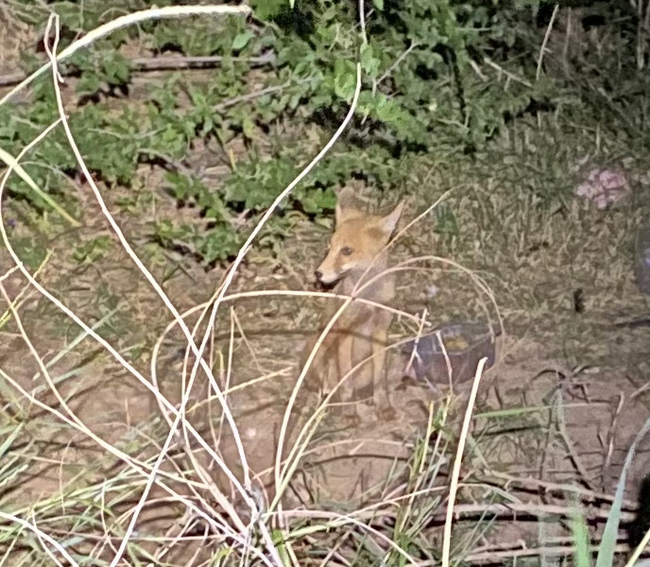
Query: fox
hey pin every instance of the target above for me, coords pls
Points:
(356, 255)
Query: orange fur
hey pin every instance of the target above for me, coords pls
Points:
(356, 256)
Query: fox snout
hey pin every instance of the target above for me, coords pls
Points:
(326, 277)
(330, 270)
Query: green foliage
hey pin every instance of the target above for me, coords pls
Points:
(100, 69)
(93, 250)
(425, 89)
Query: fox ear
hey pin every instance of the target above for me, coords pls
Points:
(345, 205)
(389, 222)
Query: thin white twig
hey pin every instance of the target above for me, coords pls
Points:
(547, 36)
(128, 20)
(41, 535)
(453, 488)
(99, 339)
(53, 21)
(136, 466)
(336, 520)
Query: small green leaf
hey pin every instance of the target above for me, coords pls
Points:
(241, 40)
(379, 4)
(266, 9)
(248, 127)
(344, 79)
(387, 110)
(88, 84)
(369, 63)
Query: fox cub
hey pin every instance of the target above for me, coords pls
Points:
(356, 257)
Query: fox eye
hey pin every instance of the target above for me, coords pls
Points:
(346, 251)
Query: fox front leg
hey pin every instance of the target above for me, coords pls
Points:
(344, 366)
(381, 396)
(362, 360)
(344, 379)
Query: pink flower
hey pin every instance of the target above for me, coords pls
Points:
(603, 187)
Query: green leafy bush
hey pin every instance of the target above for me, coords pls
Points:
(426, 87)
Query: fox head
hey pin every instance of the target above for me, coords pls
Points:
(357, 240)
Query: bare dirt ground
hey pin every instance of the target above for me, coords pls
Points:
(590, 397)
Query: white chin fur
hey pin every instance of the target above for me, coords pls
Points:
(330, 279)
